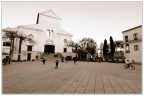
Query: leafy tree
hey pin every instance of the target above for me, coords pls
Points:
(105, 49)
(86, 45)
(89, 45)
(112, 48)
(118, 44)
(72, 44)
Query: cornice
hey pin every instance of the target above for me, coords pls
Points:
(28, 28)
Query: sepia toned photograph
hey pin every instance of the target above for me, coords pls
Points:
(71, 47)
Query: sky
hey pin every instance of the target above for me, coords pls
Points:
(95, 19)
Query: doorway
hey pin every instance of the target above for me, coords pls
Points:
(49, 49)
(29, 57)
(65, 49)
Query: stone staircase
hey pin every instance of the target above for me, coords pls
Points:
(53, 58)
(63, 54)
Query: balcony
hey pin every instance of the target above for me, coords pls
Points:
(127, 52)
(134, 40)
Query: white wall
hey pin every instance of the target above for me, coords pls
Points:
(49, 21)
(59, 41)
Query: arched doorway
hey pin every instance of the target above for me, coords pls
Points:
(49, 47)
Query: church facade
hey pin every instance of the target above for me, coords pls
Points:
(48, 36)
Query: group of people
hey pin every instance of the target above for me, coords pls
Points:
(64, 59)
(94, 57)
(57, 61)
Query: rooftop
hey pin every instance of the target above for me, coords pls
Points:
(132, 28)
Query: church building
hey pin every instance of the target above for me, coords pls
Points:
(48, 35)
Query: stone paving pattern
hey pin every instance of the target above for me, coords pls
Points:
(70, 78)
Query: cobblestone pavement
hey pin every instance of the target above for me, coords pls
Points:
(70, 78)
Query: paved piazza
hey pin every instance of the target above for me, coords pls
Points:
(69, 78)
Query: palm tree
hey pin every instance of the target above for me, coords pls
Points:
(10, 33)
(23, 37)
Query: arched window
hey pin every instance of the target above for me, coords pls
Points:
(50, 33)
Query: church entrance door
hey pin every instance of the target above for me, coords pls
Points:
(49, 49)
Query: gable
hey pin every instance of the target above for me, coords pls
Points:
(51, 14)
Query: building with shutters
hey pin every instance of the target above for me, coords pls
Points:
(132, 39)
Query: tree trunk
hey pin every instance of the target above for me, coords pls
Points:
(19, 52)
(12, 47)
(112, 59)
(10, 51)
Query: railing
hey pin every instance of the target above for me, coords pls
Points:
(134, 40)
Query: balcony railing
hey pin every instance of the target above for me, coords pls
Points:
(134, 40)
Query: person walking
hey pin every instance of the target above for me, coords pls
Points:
(62, 59)
(75, 59)
(66, 59)
(44, 60)
(57, 62)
